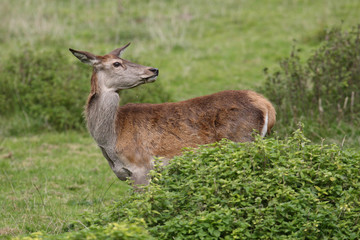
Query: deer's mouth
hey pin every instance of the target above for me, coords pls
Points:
(150, 79)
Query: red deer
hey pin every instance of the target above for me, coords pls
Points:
(130, 136)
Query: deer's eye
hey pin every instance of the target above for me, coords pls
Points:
(116, 64)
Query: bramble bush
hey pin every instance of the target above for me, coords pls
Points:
(267, 189)
(47, 86)
(324, 92)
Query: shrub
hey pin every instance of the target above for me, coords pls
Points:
(50, 88)
(268, 189)
(45, 86)
(112, 231)
(324, 92)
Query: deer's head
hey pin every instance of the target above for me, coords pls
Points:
(114, 73)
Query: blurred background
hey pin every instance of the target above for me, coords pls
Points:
(303, 55)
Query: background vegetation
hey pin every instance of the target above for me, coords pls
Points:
(323, 92)
(50, 173)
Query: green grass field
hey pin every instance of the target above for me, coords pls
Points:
(47, 180)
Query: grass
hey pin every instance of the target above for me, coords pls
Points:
(48, 179)
(199, 47)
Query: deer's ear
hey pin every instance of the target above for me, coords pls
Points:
(85, 57)
(117, 52)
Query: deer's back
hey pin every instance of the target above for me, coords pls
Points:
(164, 129)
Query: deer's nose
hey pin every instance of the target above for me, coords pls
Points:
(154, 70)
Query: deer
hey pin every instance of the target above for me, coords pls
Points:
(131, 137)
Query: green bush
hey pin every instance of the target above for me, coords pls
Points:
(323, 92)
(112, 231)
(45, 86)
(50, 90)
(268, 189)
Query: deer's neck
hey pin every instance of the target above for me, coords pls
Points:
(100, 113)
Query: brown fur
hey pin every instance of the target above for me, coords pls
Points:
(147, 130)
(94, 89)
(262, 103)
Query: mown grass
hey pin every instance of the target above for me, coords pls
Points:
(200, 47)
(48, 180)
